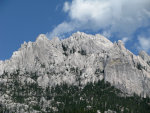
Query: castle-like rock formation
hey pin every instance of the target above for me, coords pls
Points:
(80, 59)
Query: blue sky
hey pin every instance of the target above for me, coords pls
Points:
(24, 20)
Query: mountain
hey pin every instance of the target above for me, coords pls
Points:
(48, 67)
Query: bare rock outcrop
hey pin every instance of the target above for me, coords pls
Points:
(80, 59)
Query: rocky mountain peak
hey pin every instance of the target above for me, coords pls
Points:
(45, 75)
(121, 45)
(42, 37)
(55, 41)
(88, 58)
(144, 56)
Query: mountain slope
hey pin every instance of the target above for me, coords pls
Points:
(76, 61)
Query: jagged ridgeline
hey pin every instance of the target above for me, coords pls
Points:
(80, 74)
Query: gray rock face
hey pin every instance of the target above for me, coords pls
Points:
(84, 58)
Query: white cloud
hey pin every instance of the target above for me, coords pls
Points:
(61, 29)
(125, 39)
(121, 16)
(144, 43)
(66, 6)
(107, 34)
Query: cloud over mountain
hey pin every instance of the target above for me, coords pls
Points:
(113, 16)
(144, 43)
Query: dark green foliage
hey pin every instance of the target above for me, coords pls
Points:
(64, 47)
(75, 99)
(100, 96)
(98, 71)
(139, 66)
(82, 52)
(42, 65)
(65, 54)
(148, 62)
(4, 109)
(72, 51)
(18, 99)
(34, 76)
(36, 107)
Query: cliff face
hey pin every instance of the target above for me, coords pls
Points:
(80, 59)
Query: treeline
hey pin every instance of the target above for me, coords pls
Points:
(66, 98)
